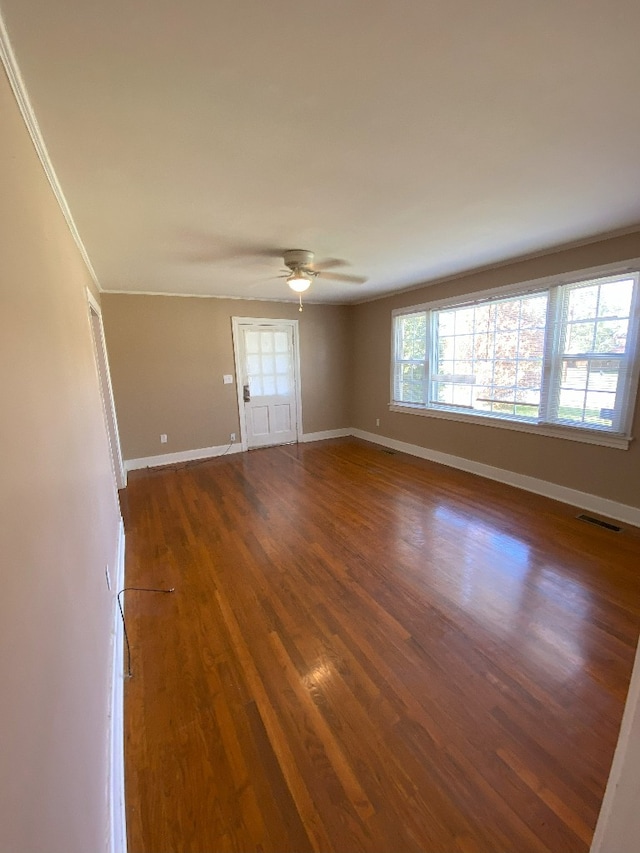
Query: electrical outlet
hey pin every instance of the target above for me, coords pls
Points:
(377, 421)
(232, 437)
(163, 438)
(107, 576)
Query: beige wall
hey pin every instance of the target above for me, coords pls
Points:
(603, 471)
(59, 524)
(168, 355)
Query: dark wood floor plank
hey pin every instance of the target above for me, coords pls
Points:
(368, 652)
(277, 735)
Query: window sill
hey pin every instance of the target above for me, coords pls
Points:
(585, 436)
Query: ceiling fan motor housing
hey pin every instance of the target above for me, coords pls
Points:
(295, 258)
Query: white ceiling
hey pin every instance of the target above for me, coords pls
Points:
(413, 139)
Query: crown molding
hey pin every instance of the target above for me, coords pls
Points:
(8, 58)
(277, 299)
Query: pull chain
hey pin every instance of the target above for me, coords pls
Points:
(300, 308)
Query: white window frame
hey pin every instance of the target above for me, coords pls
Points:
(588, 435)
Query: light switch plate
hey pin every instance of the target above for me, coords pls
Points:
(227, 378)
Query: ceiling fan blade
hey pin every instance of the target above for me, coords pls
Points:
(329, 264)
(347, 279)
(210, 248)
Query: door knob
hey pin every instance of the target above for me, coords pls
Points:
(246, 394)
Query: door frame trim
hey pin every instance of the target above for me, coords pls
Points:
(236, 322)
(106, 391)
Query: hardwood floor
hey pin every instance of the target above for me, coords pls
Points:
(368, 652)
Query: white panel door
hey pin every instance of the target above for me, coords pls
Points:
(268, 383)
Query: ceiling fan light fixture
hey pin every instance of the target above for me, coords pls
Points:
(298, 281)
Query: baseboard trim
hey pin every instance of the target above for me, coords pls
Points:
(181, 456)
(117, 812)
(584, 500)
(325, 434)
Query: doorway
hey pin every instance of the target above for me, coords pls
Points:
(267, 362)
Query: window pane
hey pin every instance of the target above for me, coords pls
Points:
(464, 347)
(481, 344)
(615, 299)
(462, 395)
(409, 382)
(413, 336)
(571, 406)
(446, 322)
(463, 370)
(268, 364)
(444, 393)
(575, 374)
(534, 312)
(483, 398)
(598, 317)
(529, 375)
(282, 384)
(603, 375)
(484, 371)
(580, 338)
(445, 367)
(599, 408)
(485, 316)
(446, 347)
(583, 303)
(508, 315)
(251, 342)
(497, 353)
(507, 345)
(531, 342)
(464, 321)
(608, 306)
(255, 385)
(505, 373)
(414, 372)
(588, 391)
(412, 392)
(268, 385)
(527, 403)
(281, 342)
(611, 336)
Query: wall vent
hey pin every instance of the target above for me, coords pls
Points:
(599, 522)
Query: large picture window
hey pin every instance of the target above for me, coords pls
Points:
(563, 355)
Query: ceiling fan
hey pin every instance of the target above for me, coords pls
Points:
(302, 270)
(301, 267)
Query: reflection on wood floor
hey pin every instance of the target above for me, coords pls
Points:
(368, 652)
